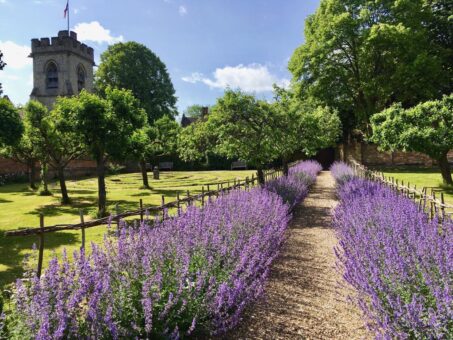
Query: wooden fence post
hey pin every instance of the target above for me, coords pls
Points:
(442, 208)
(141, 210)
(178, 204)
(202, 196)
(253, 180)
(188, 198)
(163, 209)
(41, 244)
(82, 221)
(117, 212)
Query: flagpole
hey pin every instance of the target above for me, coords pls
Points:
(69, 33)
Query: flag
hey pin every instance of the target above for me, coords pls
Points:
(66, 9)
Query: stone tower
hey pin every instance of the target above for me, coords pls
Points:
(62, 66)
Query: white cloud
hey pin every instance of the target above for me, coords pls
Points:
(94, 31)
(182, 10)
(14, 55)
(2, 1)
(250, 78)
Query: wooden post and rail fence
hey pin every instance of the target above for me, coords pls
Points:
(208, 191)
(428, 199)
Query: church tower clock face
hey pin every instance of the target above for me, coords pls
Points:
(62, 66)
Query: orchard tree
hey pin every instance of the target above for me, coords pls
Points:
(11, 127)
(105, 127)
(302, 126)
(361, 56)
(426, 128)
(55, 138)
(135, 67)
(36, 126)
(245, 129)
(14, 139)
(2, 65)
(197, 141)
(154, 141)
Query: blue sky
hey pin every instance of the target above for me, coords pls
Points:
(206, 44)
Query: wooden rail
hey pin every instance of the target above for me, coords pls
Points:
(433, 202)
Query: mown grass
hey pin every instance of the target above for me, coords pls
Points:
(421, 177)
(20, 207)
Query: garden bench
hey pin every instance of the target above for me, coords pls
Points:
(166, 166)
(239, 165)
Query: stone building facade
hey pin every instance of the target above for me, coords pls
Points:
(62, 66)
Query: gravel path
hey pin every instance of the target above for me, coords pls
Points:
(303, 298)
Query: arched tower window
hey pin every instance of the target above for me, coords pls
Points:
(52, 76)
(80, 78)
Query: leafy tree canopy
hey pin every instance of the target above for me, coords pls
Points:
(134, 67)
(195, 111)
(426, 128)
(361, 56)
(11, 127)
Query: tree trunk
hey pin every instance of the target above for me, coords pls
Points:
(445, 169)
(102, 194)
(32, 174)
(44, 186)
(144, 173)
(64, 191)
(285, 167)
(260, 174)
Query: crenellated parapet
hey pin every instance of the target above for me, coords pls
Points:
(64, 42)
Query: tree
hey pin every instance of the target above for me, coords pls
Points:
(34, 120)
(197, 141)
(302, 126)
(14, 139)
(195, 111)
(134, 67)
(426, 128)
(55, 138)
(361, 56)
(154, 141)
(245, 129)
(2, 65)
(11, 127)
(105, 127)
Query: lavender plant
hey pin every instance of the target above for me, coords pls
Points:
(399, 262)
(294, 187)
(194, 273)
(341, 172)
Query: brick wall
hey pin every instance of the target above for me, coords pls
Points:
(76, 168)
(368, 154)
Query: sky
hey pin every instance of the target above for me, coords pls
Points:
(207, 45)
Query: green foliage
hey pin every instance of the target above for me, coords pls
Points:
(11, 126)
(426, 128)
(105, 127)
(195, 111)
(302, 126)
(134, 67)
(360, 56)
(196, 141)
(244, 128)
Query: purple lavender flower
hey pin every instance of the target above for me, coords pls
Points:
(399, 262)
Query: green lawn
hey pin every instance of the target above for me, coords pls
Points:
(421, 177)
(20, 207)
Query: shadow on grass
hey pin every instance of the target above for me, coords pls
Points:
(13, 250)
(58, 209)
